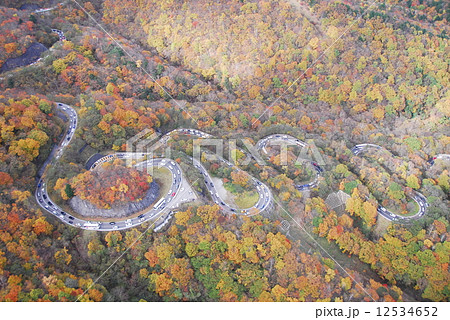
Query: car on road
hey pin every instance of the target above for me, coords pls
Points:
(112, 223)
(71, 218)
(44, 196)
(173, 194)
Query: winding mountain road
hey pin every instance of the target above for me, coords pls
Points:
(164, 205)
(285, 138)
(265, 196)
(264, 199)
(180, 190)
(416, 196)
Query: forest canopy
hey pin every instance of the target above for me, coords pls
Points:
(332, 74)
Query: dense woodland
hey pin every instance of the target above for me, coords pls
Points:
(233, 69)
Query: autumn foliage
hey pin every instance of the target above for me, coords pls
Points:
(111, 185)
(316, 71)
